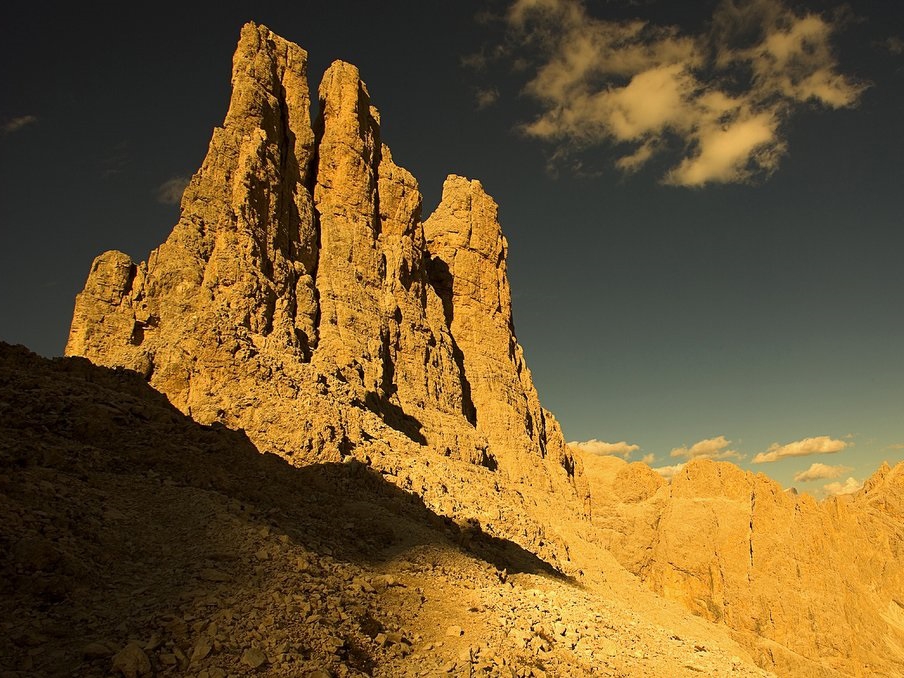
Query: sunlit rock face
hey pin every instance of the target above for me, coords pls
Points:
(300, 299)
(303, 299)
(813, 588)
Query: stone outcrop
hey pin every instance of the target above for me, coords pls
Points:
(235, 277)
(302, 299)
(813, 588)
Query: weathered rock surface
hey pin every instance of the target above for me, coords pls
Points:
(135, 542)
(299, 298)
(468, 270)
(813, 588)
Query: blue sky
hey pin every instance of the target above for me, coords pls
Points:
(703, 205)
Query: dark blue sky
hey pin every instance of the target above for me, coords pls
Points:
(659, 315)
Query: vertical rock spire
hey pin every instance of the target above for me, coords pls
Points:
(469, 267)
(351, 266)
(299, 298)
(381, 324)
(241, 261)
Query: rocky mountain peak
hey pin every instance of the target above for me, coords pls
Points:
(884, 490)
(301, 298)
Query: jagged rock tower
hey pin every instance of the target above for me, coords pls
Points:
(301, 298)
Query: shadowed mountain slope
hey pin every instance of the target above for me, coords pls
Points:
(135, 541)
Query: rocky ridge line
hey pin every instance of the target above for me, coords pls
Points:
(812, 588)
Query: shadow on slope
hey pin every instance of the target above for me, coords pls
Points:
(118, 512)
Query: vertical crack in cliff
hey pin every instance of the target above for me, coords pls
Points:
(374, 126)
(317, 127)
(440, 278)
(286, 235)
(750, 532)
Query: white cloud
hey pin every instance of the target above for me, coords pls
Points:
(847, 487)
(800, 448)
(594, 446)
(711, 448)
(669, 471)
(732, 152)
(722, 94)
(634, 161)
(648, 458)
(170, 191)
(819, 471)
(15, 124)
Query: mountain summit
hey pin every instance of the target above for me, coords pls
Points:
(301, 297)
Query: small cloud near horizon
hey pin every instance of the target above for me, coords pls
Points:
(717, 99)
(849, 486)
(648, 459)
(598, 447)
(710, 448)
(170, 191)
(15, 124)
(669, 472)
(819, 471)
(800, 448)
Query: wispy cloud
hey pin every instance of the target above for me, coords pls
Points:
(477, 61)
(16, 124)
(170, 191)
(847, 487)
(669, 471)
(894, 45)
(723, 94)
(648, 458)
(116, 159)
(896, 446)
(594, 446)
(819, 471)
(484, 98)
(711, 448)
(800, 448)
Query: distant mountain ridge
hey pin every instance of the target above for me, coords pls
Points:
(813, 588)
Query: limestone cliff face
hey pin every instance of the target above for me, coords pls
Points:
(236, 274)
(468, 270)
(814, 588)
(300, 299)
(382, 326)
